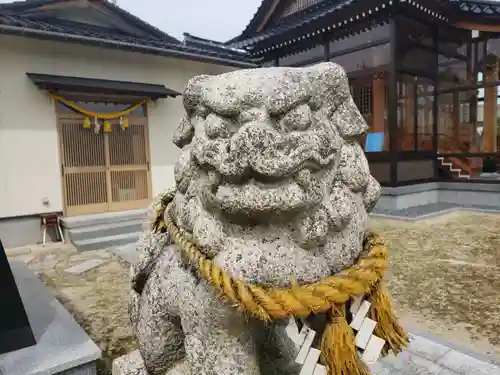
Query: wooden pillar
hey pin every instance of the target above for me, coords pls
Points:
(407, 143)
(378, 104)
(326, 49)
(490, 109)
(455, 118)
(392, 102)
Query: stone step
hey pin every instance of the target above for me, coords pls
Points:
(74, 222)
(105, 230)
(106, 242)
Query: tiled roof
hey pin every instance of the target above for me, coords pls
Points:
(325, 8)
(260, 14)
(478, 7)
(296, 20)
(80, 32)
(197, 42)
(21, 6)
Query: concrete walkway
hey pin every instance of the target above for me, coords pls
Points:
(427, 357)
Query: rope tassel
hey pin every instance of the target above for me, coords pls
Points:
(338, 351)
(387, 327)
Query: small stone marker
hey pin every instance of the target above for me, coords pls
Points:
(85, 266)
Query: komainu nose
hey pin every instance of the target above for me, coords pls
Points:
(254, 115)
(217, 126)
(298, 118)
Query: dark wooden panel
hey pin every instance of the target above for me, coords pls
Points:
(15, 330)
(415, 170)
(381, 172)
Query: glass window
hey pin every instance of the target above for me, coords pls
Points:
(460, 122)
(369, 92)
(405, 113)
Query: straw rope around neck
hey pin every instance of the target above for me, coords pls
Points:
(328, 295)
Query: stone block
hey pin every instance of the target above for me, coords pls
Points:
(427, 349)
(409, 363)
(85, 266)
(467, 365)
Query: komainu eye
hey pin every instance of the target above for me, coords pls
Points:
(217, 126)
(299, 118)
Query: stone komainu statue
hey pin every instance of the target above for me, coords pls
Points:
(267, 222)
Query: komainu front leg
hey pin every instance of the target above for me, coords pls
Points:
(219, 339)
(155, 315)
(161, 344)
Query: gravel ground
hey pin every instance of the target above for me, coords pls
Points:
(444, 276)
(444, 279)
(97, 299)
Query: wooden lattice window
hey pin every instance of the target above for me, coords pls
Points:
(362, 96)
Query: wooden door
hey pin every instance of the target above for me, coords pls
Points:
(128, 165)
(106, 171)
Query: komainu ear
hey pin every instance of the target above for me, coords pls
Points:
(191, 96)
(183, 133)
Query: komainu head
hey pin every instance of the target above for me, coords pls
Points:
(274, 150)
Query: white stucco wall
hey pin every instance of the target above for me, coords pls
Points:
(30, 168)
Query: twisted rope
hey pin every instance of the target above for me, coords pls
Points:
(274, 303)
